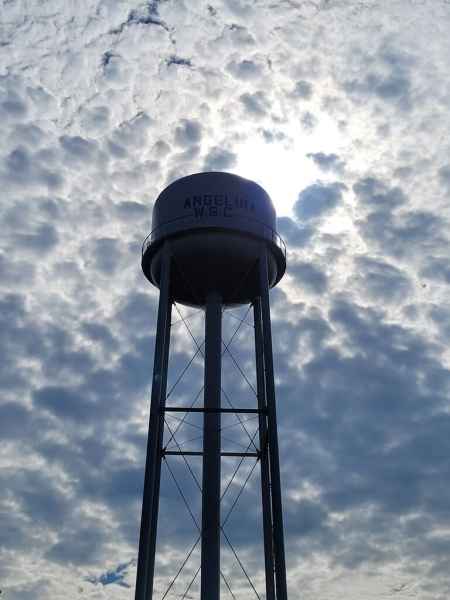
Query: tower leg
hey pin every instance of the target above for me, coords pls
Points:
(264, 448)
(210, 553)
(277, 512)
(150, 502)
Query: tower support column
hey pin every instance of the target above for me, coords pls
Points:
(150, 502)
(274, 460)
(264, 452)
(210, 551)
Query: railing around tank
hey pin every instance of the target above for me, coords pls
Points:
(270, 233)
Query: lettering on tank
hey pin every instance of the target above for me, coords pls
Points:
(217, 205)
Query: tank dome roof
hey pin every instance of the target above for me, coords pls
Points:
(212, 198)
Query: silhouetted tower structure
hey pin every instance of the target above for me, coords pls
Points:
(214, 245)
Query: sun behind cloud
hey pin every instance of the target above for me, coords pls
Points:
(281, 161)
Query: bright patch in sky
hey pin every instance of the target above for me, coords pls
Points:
(283, 167)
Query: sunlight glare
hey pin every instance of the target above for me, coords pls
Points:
(283, 168)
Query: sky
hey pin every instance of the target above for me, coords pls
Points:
(340, 110)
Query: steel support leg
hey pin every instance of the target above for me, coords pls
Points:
(264, 447)
(150, 502)
(210, 554)
(277, 511)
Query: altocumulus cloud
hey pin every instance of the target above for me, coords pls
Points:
(317, 200)
(101, 104)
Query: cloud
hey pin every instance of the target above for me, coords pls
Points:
(43, 239)
(16, 272)
(318, 199)
(188, 133)
(65, 403)
(293, 233)
(306, 518)
(437, 269)
(79, 546)
(388, 78)
(382, 281)
(444, 175)
(308, 121)
(309, 276)
(100, 109)
(107, 254)
(15, 420)
(398, 235)
(256, 104)
(12, 105)
(374, 194)
(78, 148)
(133, 132)
(219, 159)
(327, 162)
(303, 89)
(246, 69)
(23, 169)
(272, 136)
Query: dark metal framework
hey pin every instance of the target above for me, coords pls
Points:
(267, 453)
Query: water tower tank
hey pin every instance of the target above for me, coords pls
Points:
(216, 223)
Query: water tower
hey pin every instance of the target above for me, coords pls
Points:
(214, 245)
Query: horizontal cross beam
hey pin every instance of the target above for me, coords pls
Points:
(225, 454)
(213, 410)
